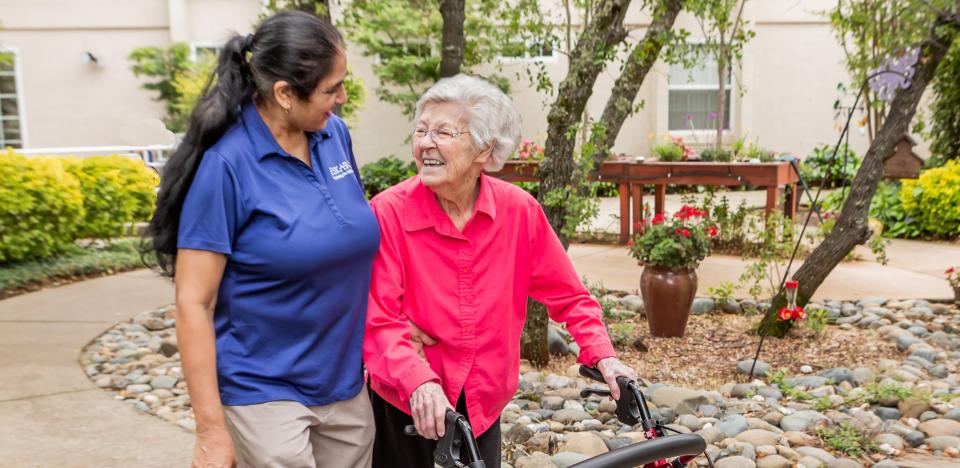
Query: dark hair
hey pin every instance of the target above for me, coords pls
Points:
(292, 46)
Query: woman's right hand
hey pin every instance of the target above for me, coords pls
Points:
(428, 407)
(213, 449)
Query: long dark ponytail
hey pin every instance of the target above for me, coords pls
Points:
(292, 46)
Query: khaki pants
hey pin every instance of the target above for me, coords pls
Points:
(287, 434)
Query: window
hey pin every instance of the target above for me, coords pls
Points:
(201, 50)
(527, 50)
(693, 97)
(11, 119)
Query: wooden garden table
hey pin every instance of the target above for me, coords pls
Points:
(775, 177)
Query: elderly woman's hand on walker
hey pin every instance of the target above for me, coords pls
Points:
(428, 406)
(611, 368)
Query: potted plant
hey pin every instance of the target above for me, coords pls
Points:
(670, 250)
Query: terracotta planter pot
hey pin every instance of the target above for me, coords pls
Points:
(667, 297)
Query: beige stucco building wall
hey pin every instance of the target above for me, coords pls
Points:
(789, 75)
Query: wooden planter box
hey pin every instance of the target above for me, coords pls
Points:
(630, 177)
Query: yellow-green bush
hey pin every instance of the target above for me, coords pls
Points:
(41, 207)
(116, 190)
(933, 200)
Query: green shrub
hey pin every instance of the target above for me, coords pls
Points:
(820, 164)
(116, 190)
(668, 152)
(385, 173)
(714, 154)
(933, 200)
(847, 439)
(74, 262)
(887, 207)
(41, 207)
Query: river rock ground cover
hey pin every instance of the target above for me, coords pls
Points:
(879, 383)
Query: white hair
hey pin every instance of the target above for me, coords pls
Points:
(491, 115)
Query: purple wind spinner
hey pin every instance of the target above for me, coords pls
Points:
(895, 74)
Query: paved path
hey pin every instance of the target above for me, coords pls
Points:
(50, 413)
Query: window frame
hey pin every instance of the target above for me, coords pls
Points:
(730, 85)
(19, 96)
(527, 44)
(195, 47)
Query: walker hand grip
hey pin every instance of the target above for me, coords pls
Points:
(591, 373)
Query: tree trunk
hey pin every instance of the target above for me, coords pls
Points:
(721, 91)
(533, 342)
(851, 228)
(641, 59)
(451, 55)
(558, 167)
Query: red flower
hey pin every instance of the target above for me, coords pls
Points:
(712, 231)
(658, 219)
(679, 232)
(950, 271)
(784, 314)
(686, 233)
(630, 243)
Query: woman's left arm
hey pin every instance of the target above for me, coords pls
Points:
(554, 283)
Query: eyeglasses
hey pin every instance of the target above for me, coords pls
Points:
(439, 135)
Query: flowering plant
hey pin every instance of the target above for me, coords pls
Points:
(792, 313)
(953, 276)
(529, 150)
(679, 242)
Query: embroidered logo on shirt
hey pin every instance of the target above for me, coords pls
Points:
(341, 170)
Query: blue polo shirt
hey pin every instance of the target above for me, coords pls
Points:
(300, 243)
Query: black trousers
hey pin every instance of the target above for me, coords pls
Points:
(394, 449)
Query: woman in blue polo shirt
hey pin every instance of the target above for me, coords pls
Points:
(262, 215)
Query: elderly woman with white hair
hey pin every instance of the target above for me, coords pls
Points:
(460, 252)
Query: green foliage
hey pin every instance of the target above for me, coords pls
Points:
(190, 85)
(944, 118)
(117, 190)
(722, 293)
(933, 200)
(712, 154)
(817, 320)
(820, 164)
(41, 207)
(668, 152)
(678, 243)
(847, 439)
(622, 333)
(405, 37)
(385, 173)
(871, 31)
(73, 262)
(162, 66)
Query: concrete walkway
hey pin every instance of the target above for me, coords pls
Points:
(50, 413)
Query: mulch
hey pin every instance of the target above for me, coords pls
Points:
(707, 355)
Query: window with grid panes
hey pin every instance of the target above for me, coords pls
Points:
(9, 106)
(693, 97)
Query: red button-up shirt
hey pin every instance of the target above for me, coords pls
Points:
(468, 289)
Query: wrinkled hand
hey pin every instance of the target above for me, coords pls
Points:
(420, 339)
(611, 368)
(428, 406)
(213, 449)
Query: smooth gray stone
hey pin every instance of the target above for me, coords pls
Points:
(702, 305)
(839, 374)
(733, 425)
(761, 369)
(887, 413)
